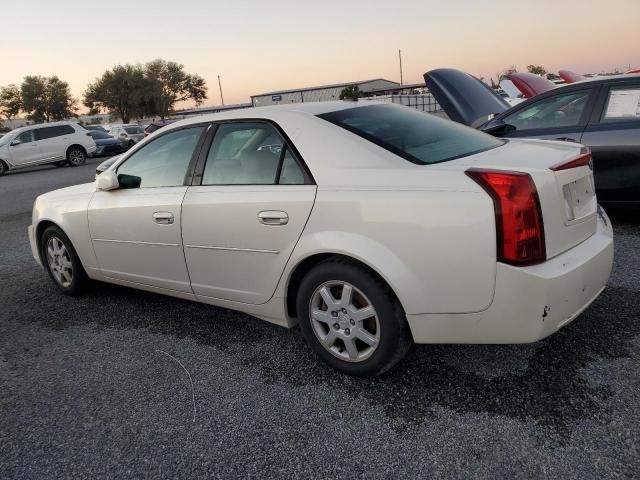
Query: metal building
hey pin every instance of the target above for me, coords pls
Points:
(319, 94)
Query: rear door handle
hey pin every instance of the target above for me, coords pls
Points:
(273, 217)
(163, 218)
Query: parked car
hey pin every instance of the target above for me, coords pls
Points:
(372, 226)
(152, 127)
(96, 128)
(570, 77)
(130, 134)
(59, 143)
(530, 84)
(602, 113)
(106, 144)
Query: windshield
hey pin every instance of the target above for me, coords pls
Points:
(132, 130)
(418, 137)
(5, 139)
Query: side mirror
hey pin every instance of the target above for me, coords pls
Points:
(15, 143)
(107, 180)
(499, 129)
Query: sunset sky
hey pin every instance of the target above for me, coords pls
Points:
(259, 46)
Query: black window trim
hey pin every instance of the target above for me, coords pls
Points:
(584, 118)
(286, 144)
(194, 156)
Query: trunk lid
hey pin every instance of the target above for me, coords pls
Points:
(570, 77)
(567, 197)
(463, 97)
(531, 85)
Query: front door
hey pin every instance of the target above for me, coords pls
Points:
(240, 226)
(562, 116)
(135, 230)
(25, 149)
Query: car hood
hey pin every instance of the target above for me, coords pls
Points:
(68, 192)
(463, 97)
(106, 141)
(531, 85)
(570, 77)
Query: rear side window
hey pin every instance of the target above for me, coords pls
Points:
(418, 137)
(133, 130)
(57, 131)
(623, 105)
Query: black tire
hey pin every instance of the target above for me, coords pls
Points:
(76, 156)
(3, 168)
(394, 335)
(79, 279)
(63, 163)
(131, 143)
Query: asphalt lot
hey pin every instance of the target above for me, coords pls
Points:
(94, 387)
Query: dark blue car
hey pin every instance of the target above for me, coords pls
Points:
(107, 145)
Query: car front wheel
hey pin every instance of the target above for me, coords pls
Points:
(76, 157)
(351, 319)
(3, 168)
(62, 262)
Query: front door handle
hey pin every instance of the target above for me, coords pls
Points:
(163, 218)
(273, 217)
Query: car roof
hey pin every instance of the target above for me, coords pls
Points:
(274, 111)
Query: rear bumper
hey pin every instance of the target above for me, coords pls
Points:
(529, 303)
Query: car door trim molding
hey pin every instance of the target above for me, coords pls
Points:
(106, 240)
(234, 249)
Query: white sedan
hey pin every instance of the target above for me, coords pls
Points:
(372, 226)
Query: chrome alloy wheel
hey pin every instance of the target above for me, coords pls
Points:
(59, 261)
(76, 157)
(344, 321)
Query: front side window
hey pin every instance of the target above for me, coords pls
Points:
(622, 105)
(26, 137)
(163, 162)
(248, 153)
(418, 137)
(564, 110)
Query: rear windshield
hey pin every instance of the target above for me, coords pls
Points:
(418, 137)
(133, 130)
(152, 128)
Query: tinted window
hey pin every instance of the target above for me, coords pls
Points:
(415, 136)
(133, 130)
(623, 104)
(243, 154)
(51, 132)
(291, 173)
(163, 162)
(26, 137)
(152, 128)
(557, 111)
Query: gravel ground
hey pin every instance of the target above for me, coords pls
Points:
(127, 384)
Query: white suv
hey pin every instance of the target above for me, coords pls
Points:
(58, 143)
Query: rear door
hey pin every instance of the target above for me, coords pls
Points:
(54, 141)
(135, 230)
(613, 135)
(561, 116)
(245, 213)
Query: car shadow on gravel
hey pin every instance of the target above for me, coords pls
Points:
(541, 382)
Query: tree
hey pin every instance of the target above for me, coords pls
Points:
(121, 89)
(502, 75)
(552, 76)
(167, 84)
(46, 98)
(537, 70)
(351, 92)
(10, 101)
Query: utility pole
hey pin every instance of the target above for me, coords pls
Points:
(220, 85)
(400, 58)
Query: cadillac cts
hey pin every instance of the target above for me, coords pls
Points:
(372, 226)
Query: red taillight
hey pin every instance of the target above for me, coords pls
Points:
(519, 227)
(582, 160)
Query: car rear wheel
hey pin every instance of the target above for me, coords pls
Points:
(3, 168)
(76, 156)
(61, 261)
(351, 319)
